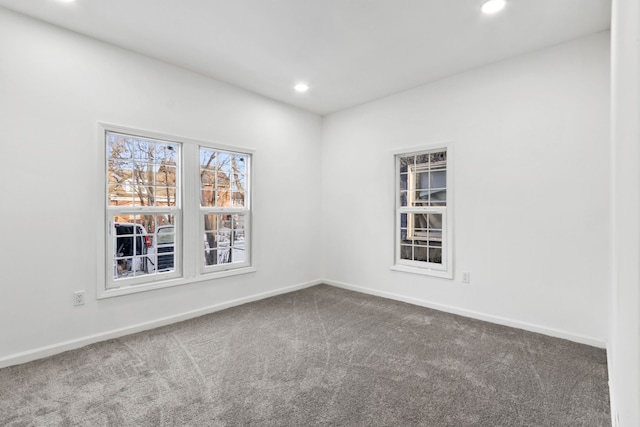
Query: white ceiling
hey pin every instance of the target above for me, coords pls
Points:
(349, 51)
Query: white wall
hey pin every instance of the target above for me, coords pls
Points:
(55, 86)
(531, 182)
(531, 185)
(624, 345)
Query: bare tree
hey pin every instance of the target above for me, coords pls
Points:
(136, 169)
(209, 198)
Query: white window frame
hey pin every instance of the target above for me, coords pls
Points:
(189, 221)
(245, 211)
(444, 269)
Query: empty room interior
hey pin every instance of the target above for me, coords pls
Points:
(346, 212)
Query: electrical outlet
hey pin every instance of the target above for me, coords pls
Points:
(466, 277)
(78, 298)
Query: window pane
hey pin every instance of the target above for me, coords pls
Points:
(166, 154)
(405, 162)
(224, 239)
(238, 180)
(421, 237)
(120, 183)
(403, 181)
(130, 246)
(136, 167)
(406, 252)
(439, 198)
(438, 158)
(164, 243)
(421, 160)
(143, 182)
(207, 195)
(165, 196)
(223, 195)
(403, 236)
(119, 146)
(438, 179)
(426, 180)
(435, 221)
(143, 244)
(422, 185)
(417, 225)
(166, 175)
(435, 255)
(142, 149)
(403, 220)
(435, 238)
(223, 178)
(420, 253)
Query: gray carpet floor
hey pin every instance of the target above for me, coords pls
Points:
(320, 356)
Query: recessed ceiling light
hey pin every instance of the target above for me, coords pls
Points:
(301, 87)
(493, 6)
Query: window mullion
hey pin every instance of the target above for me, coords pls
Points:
(153, 233)
(190, 200)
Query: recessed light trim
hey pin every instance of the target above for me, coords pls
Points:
(301, 87)
(493, 6)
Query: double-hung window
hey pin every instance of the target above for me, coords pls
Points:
(224, 208)
(423, 212)
(176, 211)
(144, 208)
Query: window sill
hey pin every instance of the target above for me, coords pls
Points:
(132, 289)
(423, 271)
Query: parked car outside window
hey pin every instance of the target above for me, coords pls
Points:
(132, 244)
(164, 245)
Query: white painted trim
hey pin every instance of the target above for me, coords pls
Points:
(50, 350)
(613, 410)
(595, 342)
(446, 270)
(443, 274)
(145, 133)
(186, 269)
(177, 281)
(420, 148)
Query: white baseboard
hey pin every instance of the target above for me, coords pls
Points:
(50, 350)
(615, 421)
(474, 314)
